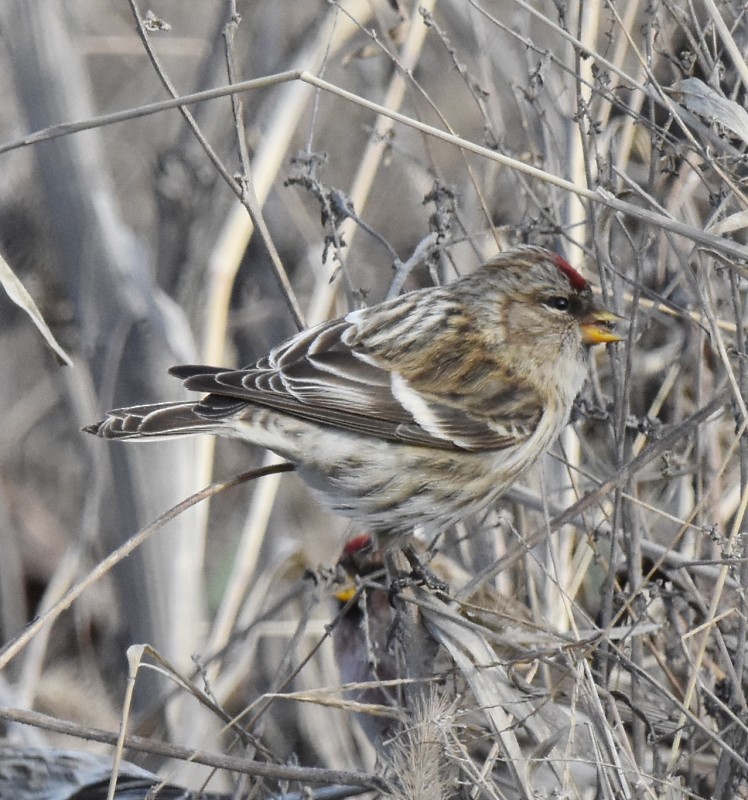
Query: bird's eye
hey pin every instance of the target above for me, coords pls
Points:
(560, 303)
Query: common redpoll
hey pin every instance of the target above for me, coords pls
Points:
(417, 411)
(503, 678)
(368, 640)
(365, 632)
(380, 650)
(415, 654)
(472, 654)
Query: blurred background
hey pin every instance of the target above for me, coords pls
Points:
(136, 242)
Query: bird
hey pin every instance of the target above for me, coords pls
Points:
(416, 411)
(479, 651)
(366, 636)
(403, 669)
(372, 640)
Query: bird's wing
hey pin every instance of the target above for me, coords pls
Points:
(318, 376)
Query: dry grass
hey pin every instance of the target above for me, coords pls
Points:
(143, 244)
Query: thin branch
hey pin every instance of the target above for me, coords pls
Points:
(11, 650)
(243, 189)
(244, 766)
(600, 196)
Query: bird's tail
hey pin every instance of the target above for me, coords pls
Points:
(154, 421)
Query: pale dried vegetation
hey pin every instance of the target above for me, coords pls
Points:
(615, 132)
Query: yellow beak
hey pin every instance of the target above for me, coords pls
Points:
(597, 328)
(346, 594)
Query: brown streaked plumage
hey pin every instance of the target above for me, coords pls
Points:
(418, 410)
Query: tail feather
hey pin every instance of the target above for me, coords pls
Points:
(154, 421)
